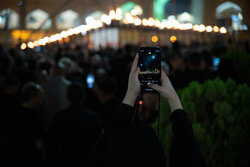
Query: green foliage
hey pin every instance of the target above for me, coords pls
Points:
(240, 64)
(220, 114)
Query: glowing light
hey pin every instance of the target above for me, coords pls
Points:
(118, 14)
(64, 34)
(223, 30)
(240, 16)
(52, 38)
(31, 45)
(169, 25)
(106, 19)
(196, 27)
(176, 24)
(157, 23)
(186, 26)
(202, 28)
(112, 14)
(23, 46)
(89, 20)
(134, 12)
(216, 29)
(129, 18)
(154, 38)
(209, 29)
(145, 22)
(125, 21)
(75, 31)
(151, 21)
(173, 39)
(58, 37)
(41, 42)
(46, 39)
(185, 17)
(138, 10)
(99, 24)
(137, 21)
(140, 102)
(70, 32)
(35, 43)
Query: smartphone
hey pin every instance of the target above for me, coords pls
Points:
(216, 63)
(150, 67)
(90, 80)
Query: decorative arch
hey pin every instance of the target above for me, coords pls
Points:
(96, 15)
(9, 19)
(227, 9)
(37, 19)
(130, 6)
(67, 19)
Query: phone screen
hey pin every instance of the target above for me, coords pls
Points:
(216, 63)
(150, 65)
(90, 80)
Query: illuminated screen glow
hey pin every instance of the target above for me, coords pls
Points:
(150, 65)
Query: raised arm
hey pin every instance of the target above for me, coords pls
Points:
(185, 151)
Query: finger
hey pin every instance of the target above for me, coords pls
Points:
(137, 71)
(164, 76)
(135, 62)
(154, 86)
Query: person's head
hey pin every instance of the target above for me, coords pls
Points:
(11, 86)
(63, 66)
(107, 85)
(194, 61)
(148, 109)
(76, 93)
(32, 95)
(105, 88)
(206, 61)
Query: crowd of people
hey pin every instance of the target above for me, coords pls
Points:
(53, 113)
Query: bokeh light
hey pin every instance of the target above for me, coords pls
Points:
(154, 38)
(173, 39)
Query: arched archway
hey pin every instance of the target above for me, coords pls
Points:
(227, 9)
(96, 15)
(131, 7)
(67, 19)
(229, 14)
(37, 19)
(9, 19)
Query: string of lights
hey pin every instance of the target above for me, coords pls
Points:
(126, 19)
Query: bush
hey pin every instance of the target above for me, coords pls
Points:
(220, 115)
(236, 64)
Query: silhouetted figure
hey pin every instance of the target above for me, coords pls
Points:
(102, 99)
(194, 73)
(55, 90)
(73, 132)
(133, 143)
(24, 130)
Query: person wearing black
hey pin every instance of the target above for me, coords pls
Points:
(133, 144)
(24, 130)
(73, 132)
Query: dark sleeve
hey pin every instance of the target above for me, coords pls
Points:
(122, 116)
(52, 142)
(185, 151)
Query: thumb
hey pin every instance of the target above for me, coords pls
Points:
(137, 71)
(154, 86)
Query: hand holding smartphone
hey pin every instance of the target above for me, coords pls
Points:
(150, 67)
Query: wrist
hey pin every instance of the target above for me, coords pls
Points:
(130, 99)
(175, 104)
